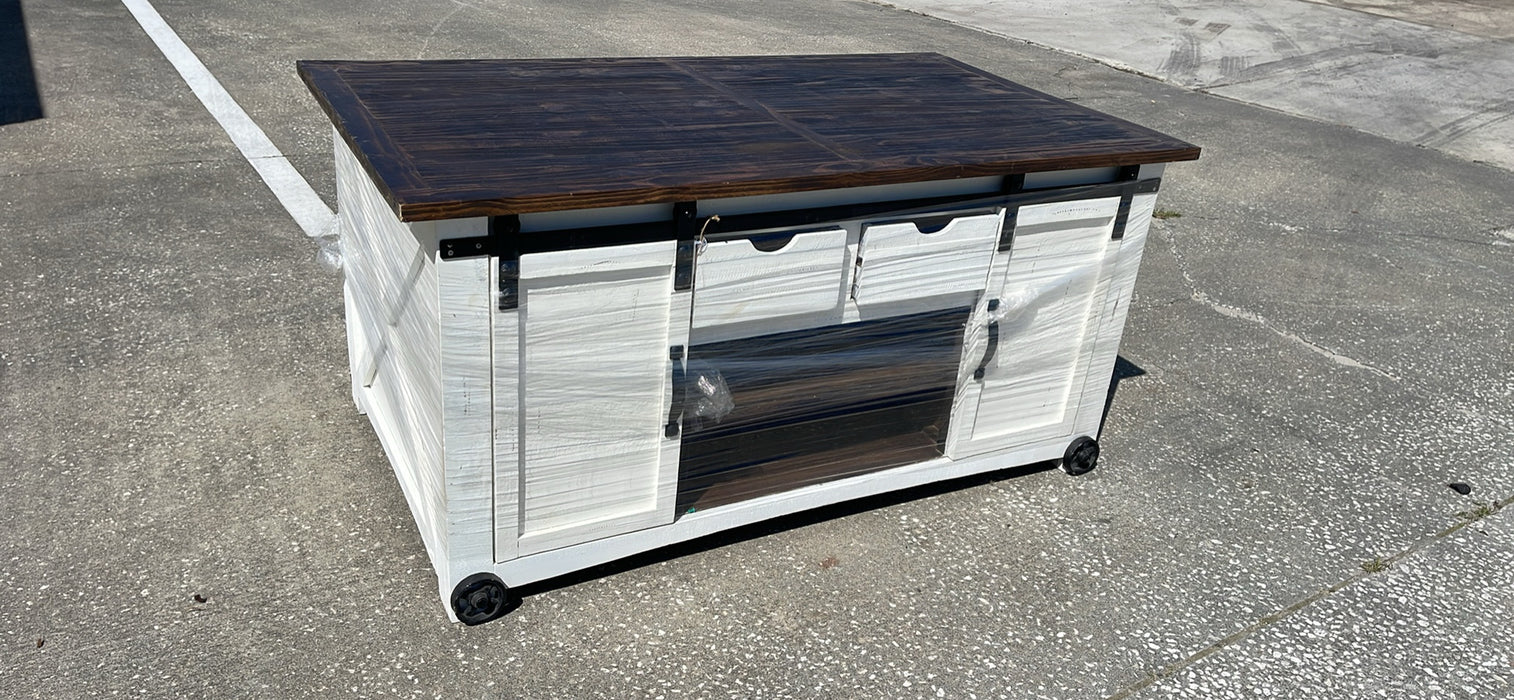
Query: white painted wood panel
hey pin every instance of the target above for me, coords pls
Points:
(464, 305)
(392, 284)
(1106, 347)
(594, 368)
(507, 424)
(539, 567)
(1048, 305)
(897, 262)
(736, 282)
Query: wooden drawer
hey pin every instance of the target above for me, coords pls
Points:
(752, 279)
(931, 256)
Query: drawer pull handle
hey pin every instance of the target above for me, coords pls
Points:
(933, 224)
(993, 342)
(771, 243)
(675, 414)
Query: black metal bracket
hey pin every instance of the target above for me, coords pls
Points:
(503, 230)
(509, 283)
(1134, 188)
(1121, 218)
(683, 267)
(454, 248)
(1007, 230)
(1013, 184)
(685, 221)
(685, 230)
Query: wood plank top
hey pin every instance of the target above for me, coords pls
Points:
(449, 139)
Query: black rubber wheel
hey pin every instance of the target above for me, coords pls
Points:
(479, 599)
(1081, 456)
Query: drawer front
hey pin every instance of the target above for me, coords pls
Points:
(897, 262)
(736, 282)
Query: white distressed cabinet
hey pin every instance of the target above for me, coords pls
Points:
(600, 306)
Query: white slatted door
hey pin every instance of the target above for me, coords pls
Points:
(1048, 314)
(591, 395)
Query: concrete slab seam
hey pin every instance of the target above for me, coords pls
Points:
(288, 186)
(1488, 509)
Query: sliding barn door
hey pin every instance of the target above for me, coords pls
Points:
(1042, 315)
(584, 383)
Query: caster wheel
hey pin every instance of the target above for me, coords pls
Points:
(1081, 456)
(479, 599)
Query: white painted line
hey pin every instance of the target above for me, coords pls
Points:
(291, 189)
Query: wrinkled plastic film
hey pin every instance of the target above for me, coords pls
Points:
(855, 347)
(709, 397)
(940, 340)
(799, 357)
(815, 405)
(329, 251)
(393, 341)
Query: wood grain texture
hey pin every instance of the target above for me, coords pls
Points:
(899, 262)
(1052, 296)
(822, 404)
(740, 283)
(591, 445)
(447, 139)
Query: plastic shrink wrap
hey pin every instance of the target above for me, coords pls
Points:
(579, 339)
(607, 398)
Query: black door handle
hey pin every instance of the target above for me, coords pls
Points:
(993, 343)
(675, 413)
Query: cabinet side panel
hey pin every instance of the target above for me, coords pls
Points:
(464, 298)
(391, 276)
(1116, 308)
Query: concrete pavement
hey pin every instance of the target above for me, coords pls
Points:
(1433, 74)
(193, 508)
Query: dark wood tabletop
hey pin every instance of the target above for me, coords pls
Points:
(448, 139)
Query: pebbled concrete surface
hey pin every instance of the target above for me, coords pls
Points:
(1432, 625)
(1433, 74)
(1321, 340)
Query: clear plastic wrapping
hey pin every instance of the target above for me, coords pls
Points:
(642, 381)
(573, 351)
(709, 397)
(812, 354)
(329, 251)
(816, 404)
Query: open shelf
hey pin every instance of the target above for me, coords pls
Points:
(760, 462)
